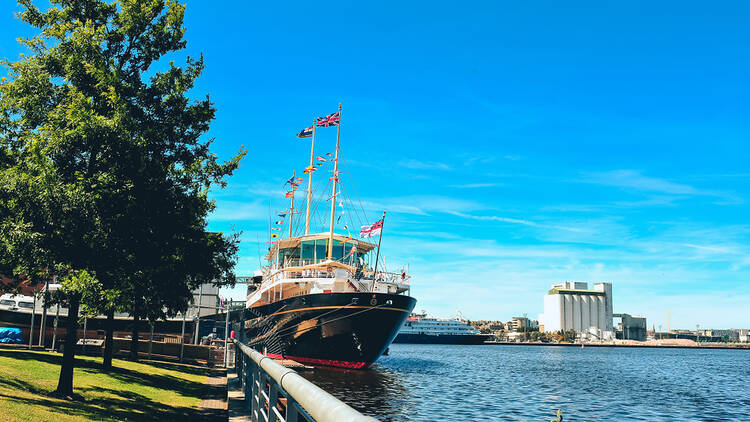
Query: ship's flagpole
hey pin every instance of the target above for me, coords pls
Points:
(335, 182)
(269, 223)
(309, 180)
(291, 207)
(377, 256)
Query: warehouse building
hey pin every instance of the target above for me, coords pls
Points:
(631, 327)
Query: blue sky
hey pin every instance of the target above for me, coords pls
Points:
(513, 144)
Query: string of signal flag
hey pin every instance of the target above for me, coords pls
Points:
(330, 120)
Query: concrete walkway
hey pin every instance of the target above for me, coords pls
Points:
(237, 406)
(214, 404)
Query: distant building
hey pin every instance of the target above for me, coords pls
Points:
(520, 324)
(724, 335)
(631, 327)
(743, 336)
(205, 301)
(572, 306)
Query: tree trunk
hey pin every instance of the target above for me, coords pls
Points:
(109, 341)
(134, 340)
(65, 383)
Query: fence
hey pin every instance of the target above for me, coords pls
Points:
(276, 393)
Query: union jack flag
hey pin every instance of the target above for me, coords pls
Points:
(330, 120)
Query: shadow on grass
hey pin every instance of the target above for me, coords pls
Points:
(50, 358)
(123, 404)
(194, 370)
(161, 381)
(17, 384)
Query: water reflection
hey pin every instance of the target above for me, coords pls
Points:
(512, 383)
(379, 391)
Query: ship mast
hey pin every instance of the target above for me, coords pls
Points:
(291, 207)
(309, 180)
(335, 182)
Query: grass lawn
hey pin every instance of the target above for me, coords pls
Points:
(152, 391)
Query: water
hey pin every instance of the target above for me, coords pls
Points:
(528, 383)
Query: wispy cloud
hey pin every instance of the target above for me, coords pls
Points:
(634, 179)
(710, 248)
(515, 221)
(473, 185)
(422, 204)
(424, 165)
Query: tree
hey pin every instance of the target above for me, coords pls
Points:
(105, 166)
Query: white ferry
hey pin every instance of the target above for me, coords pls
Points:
(419, 328)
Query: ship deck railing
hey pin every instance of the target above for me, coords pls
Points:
(276, 393)
(294, 269)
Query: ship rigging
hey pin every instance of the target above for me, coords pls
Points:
(319, 301)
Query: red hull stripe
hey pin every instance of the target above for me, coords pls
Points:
(324, 362)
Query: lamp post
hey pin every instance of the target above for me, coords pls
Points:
(697, 333)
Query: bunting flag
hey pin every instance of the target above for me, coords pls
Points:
(282, 215)
(354, 249)
(329, 154)
(372, 230)
(341, 205)
(300, 179)
(345, 240)
(274, 236)
(291, 180)
(329, 120)
(310, 169)
(333, 159)
(289, 194)
(280, 222)
(332, 197)
(275, 228)
(306, 132)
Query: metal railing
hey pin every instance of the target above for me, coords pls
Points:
(292, 271)
(276, 393)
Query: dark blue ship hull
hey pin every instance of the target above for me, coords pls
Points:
(348, 330)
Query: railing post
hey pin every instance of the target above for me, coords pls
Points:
(304, 402)
(273, 393)
(249, 386)
(292, 414)
(254, 401)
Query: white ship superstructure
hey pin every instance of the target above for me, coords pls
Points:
(422, 324)
(419, 328)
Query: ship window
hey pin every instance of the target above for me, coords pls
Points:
(338, 251)
(308, 249)
(7, 302)
(321, 249)
(27, 305)
(291, 253)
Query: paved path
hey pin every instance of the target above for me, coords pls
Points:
(237, 406)
(214, 404)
